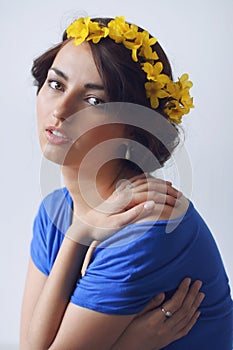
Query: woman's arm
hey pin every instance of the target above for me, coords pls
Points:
(147, 330)
(54, 316)
(86, 329)
(35, 281)
(152, 330)
(58, 324)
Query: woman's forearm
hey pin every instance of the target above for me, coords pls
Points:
(56, 294)
(129, 340)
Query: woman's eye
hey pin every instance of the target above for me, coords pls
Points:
(94, 101)
(55, 85)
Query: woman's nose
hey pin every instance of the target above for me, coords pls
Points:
(65, 108)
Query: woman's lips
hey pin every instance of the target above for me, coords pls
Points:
(56, 136)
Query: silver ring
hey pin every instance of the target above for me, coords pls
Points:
(129, 186)
(167, 314)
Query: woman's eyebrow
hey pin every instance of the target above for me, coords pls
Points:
(59, 72)
(93, 86)
(87, 86)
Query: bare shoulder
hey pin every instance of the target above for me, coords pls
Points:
(167, 212)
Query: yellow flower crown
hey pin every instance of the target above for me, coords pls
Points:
(159, 85)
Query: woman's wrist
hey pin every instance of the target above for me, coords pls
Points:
(80, 232)
(128, 340)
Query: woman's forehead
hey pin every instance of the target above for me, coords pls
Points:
(69, 51)
(71, 59)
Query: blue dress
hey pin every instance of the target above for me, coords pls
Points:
(139, 261)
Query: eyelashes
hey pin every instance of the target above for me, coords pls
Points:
(55, 85)
(58, 86)
(94, 101)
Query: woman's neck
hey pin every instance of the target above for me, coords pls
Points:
(89, 188)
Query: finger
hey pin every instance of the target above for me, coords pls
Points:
(172, 191)
(134, 182)
(142, 183)
(150, 181)
(139, 197)
(189, 306)
(147, 177)
(161, 192)
(163, 187)
(177, 299)
(197, 302)
(124, 182)
(140, 176)
(160, 200)
(153, 303)
(133, 214)
(154, 184)
(186, 328)
(117, 202)
(186, 313)
(150, 185)
(192, 294)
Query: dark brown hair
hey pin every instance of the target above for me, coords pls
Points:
(124, 81)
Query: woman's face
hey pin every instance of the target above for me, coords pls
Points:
(67, 128)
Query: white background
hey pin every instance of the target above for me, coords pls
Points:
(197, 36)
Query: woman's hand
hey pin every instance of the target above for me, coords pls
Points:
(132, 200)
(151, 329)
(144, 188)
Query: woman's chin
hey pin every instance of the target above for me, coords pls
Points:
(56, 156)
(60, 157)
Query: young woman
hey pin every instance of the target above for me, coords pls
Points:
(105, 244)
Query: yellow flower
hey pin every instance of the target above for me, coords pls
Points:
(153, 72)
(134, 45)
(159, 85)
(184, 82)
(174, 111)
(181, 87)
(162, 86)
(146, 49)
(122, 32)
(180, 90)
(187, 102)
(117, 29)
(79, 30)
(154, 92)
(131, 33)
(174, 90)
(147, 40)
(97, 32)
(84, 29)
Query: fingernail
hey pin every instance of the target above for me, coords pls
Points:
(159, 297)
(202, 295)
(149, 205)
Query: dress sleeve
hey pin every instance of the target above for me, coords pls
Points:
(121, 279)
